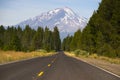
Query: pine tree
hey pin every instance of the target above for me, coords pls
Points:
(56, 39)
(8, 35)
(2, 30)
(19, 32)
(37, 41)
(47, 41)
(15, 43)
(101, 35)
(76, 41)
(27, 37)
(66, 44)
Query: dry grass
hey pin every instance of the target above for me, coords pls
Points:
(111, 60)
(95, 56)
(7, 56)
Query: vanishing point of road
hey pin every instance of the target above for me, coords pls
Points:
(55, 67)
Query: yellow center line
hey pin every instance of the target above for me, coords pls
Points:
(54, 60)
(49, 65)
(40, 74)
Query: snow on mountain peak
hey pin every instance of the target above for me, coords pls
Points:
(69, 11)
(65, 18)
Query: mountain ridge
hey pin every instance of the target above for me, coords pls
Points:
(64, 18)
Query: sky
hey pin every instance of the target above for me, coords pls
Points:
(14, 11)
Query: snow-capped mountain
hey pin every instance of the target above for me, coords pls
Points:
(65, 19)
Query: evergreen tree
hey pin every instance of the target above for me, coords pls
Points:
(66, 44)
(56, 39)
(15, 44)
(46, 40)
(8, 36)
(101, 35)
(27, 37)
(19, 32)
(2, 30)
(37, 41)
(76, 41)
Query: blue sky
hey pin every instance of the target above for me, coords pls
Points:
(15, 11)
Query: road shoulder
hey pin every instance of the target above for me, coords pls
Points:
(111, 68)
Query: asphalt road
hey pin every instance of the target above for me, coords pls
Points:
(56, 67)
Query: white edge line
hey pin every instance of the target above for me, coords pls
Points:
(100, 68)
(97, 67)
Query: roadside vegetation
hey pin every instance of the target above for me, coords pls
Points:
(8, 56)
(84, 54)
(27, 39)
(17, 43)
(102, 33)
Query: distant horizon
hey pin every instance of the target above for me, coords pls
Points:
(15, 11)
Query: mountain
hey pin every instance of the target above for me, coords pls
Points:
(65, 19)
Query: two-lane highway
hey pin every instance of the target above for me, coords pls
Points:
(56, 67)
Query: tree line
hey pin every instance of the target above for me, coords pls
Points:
(18, 39)
(102, 33)
(100, 36)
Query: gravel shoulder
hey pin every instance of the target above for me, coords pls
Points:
(112, 67)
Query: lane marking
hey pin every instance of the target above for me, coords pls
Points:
(49, 65)
(40, 74)
(106, 71)
(52, 61)
(100, 68)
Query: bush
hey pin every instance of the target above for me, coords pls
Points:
(77, 52)
(108, 51)
(94, 56)
(41, 50)
(81, 52)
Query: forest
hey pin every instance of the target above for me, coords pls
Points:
(28, 39)
(102, 33)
